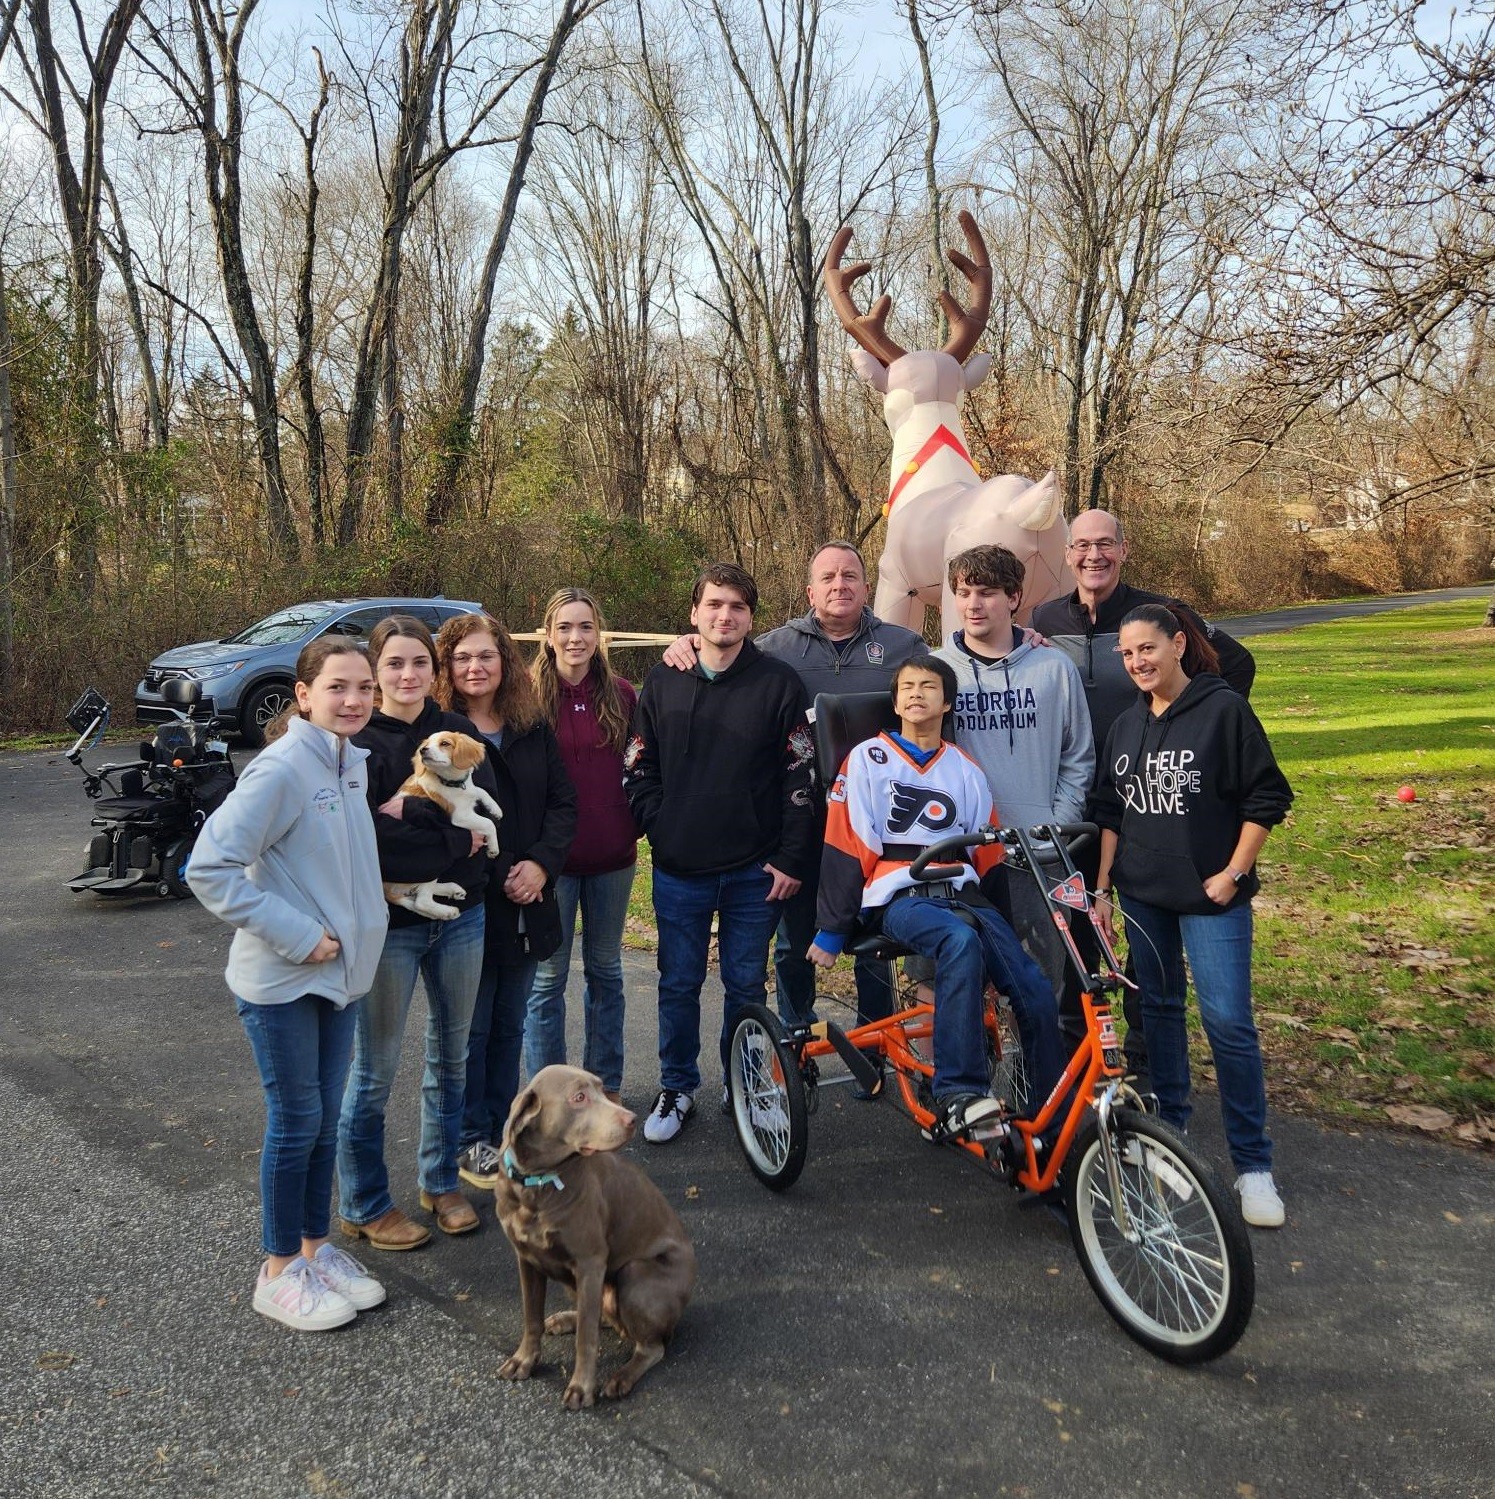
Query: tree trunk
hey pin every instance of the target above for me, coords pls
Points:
(424, 54)
(456, 439)
(7, 490)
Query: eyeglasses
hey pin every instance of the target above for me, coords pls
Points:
(1107, 544)
(481, 658)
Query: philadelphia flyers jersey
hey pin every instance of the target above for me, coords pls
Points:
(882, 810)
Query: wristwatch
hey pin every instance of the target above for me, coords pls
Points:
(1238, 875)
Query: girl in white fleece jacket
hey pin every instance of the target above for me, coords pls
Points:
(289, 860)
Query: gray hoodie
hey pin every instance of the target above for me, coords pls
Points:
(291, 854)
(1023, 720)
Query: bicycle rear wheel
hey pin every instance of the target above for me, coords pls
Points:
(1185, 1288)
(768, 1098)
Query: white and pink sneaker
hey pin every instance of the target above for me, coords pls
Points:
(345, 1275)
(300, 1298)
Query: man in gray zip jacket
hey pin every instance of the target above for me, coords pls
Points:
(839, 646)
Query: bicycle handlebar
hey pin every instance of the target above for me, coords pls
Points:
(1074, 835)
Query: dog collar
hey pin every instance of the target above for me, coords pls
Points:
(514, 1174)
(453, 784)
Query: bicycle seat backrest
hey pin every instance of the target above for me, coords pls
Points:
(842, 721)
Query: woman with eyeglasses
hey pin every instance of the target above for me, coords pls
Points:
(480, 674)
(417, 842)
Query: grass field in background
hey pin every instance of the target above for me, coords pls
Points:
(1375, 949)
(1376, 938)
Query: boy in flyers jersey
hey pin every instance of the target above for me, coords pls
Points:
(895, 795)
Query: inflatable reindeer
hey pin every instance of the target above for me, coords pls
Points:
(938, 504)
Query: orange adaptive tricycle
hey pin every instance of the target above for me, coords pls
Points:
(1160, 1239)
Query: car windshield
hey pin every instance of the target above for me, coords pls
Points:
(283, 626)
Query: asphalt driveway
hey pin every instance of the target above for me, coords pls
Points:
(895, 1324)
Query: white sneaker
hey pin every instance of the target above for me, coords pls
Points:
(300, 1298)
(1261, 1207)
(340, 1271)
(667, 1118)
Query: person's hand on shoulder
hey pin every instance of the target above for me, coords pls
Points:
(681, 653)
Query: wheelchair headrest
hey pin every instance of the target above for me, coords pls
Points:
(843, 721)
(180, 692)
(175, 741)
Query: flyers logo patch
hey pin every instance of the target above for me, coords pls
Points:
(913, 804)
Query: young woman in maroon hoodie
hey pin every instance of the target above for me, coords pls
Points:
(589, 708)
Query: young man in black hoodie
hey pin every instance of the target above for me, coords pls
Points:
(718, 771)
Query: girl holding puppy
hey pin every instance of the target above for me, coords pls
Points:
(417, 842)
(481, 675)
(289, 861)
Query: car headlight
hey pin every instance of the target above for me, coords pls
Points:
(207, 673)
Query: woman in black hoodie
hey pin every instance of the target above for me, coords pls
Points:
(417, 842)
(1187, 792)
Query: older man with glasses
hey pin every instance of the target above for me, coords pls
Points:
(1084, 624)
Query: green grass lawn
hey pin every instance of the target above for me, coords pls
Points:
(1375, 941)
(1376, 937)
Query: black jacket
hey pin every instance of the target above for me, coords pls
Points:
(720, 772)
(539, 822)
(1178, 786)
(422, 844)
(1091, 645)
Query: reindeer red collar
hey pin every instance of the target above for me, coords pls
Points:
(937, 503)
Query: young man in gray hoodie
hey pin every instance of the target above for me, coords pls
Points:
(1020, 714)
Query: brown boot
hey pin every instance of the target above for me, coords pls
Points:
(391, 1230)
(454, 1213)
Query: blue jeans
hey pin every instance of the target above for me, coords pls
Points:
(1219, 951)
(493, 1049)
(794, 973)
(683, 908)
(603, 899)
(965, 957)
(448, 956)
(302, 1051)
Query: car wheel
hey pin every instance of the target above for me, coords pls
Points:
(261, 707)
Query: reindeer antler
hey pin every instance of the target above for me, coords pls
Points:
(869, 329)
(966, 327)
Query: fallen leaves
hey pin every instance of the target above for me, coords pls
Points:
(1421, 1116)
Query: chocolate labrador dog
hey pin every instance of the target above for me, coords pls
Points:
(582, 1215)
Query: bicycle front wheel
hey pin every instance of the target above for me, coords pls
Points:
(1184, 1284)
(768, 1098)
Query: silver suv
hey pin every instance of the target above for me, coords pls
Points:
(248, 678)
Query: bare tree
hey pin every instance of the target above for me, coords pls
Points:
(1385, 268)
(600, 247)
(1122, 128)
(457, 429)
(58, 101)
(197, 52)
(768, 151)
